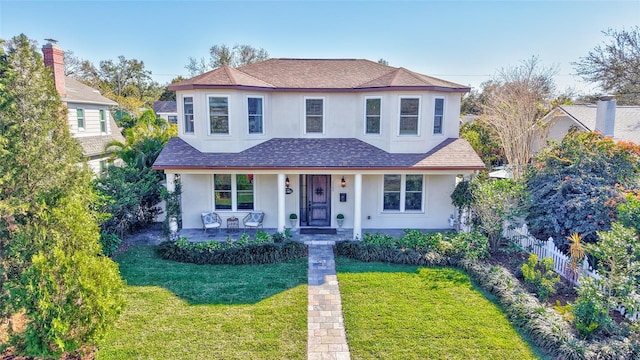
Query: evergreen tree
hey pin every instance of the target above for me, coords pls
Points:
(51, 273)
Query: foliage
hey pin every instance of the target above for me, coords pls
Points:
(576, 252)
(576, 185)
(262, 250)
(590, 311)
(168, 95)
(629, 211)
(50, 268)
(110, 243)
(484, 141)
(615, 65)
(541, 276)
(172, 204)
(515, 101)
(293, 216)
(462, 195)
(495, 202)
(340, 216)
(224, 55)
(131, 196)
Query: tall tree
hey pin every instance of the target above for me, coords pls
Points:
(615, 65)
(51, 275)
(168, 95)
(515, 100)
(223, 55)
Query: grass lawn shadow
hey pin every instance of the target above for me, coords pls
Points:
(210, 284)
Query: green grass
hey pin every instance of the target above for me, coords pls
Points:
(187, 311)
(409, 312)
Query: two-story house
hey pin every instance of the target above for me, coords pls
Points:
(90, 120)
(317, 138)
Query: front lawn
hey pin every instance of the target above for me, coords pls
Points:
(186, 311)
(409, 312)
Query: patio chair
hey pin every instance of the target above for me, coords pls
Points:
(211, 220)
(253, 220)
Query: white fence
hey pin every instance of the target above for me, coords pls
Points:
(561, 262)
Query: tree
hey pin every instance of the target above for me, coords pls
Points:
(383, 61)
(223, 55)
(577, 185)
(484, 141)
(515, 101)
(51, 273)
(168, 95)
(615, 65)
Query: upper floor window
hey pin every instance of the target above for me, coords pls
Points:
(372, 115)
(314, 119)
(103, 121)
(402, 192)
(188, 114)
(80, 115)
(409, 115)
(254, 111)
(218, 115)
(233, 192)
(438, 116)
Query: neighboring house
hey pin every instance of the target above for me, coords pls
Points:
(166, 110)
(619, 122)
(90, 120)
(319, 138)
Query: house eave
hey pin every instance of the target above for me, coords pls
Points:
(302, 169)
(317, 90)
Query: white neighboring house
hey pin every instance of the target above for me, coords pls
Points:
(619, 122)
(319, 137)
(90, 120)
(166, 110)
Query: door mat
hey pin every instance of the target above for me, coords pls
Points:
(318, 231)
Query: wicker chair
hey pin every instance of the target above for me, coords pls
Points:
(253, 220)
(211, 220)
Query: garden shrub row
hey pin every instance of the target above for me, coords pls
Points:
(264, 249)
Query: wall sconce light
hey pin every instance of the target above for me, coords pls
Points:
(287, 182)
(343, 182)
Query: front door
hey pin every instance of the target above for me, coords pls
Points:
(318, 200)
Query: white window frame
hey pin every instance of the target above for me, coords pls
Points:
(84, 119)
(403, 195)
(234, 193)
(102, 115)
(184, 115)
(262, 120)
(304, 114)
(228, 114)
(366, 98)
(175, 117)
(444, 111)
(419, 98)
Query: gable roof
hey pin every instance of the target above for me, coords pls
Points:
(165, 107)
(317, 75)
(334, 153)
(626, 126)
(78, 92)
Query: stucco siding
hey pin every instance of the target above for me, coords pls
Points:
(196, 199)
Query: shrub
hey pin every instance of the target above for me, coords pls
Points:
(419, 241)
(541, 276)
(590, 312)
(383, 240)
(629, 212)
(110, 243)
(470, 246)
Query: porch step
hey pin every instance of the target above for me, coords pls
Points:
(319, 242)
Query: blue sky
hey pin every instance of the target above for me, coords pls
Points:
(465, 42)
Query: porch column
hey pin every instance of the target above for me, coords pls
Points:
(171, 185)
(281, 197)
(357, 207)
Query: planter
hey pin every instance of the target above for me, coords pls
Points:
(293, 222)
(340, 222)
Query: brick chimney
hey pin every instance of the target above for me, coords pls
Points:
(54, 58)
(606, 115)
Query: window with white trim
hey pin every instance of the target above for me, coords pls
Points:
(233, 192)
(218, 115)
(438, 115)
(255, 115)
(188, 114)
(103, 121)
(402, 192)
(409, 115)
(314, 115)
(172, 119)
(372, 115)
(80, 116)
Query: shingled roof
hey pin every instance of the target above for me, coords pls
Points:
(96, 145)
(317, 75)
(332, 153)
(77, 92)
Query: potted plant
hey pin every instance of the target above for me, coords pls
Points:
(293, 219)
(340, 219)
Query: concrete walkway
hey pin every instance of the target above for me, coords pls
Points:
(326, 334)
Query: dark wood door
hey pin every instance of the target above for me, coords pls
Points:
(319, 200)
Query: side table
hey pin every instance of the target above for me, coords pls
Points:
(233, 225)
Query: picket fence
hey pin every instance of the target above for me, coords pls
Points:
(561, 262)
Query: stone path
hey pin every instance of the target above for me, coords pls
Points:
(327, 338)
